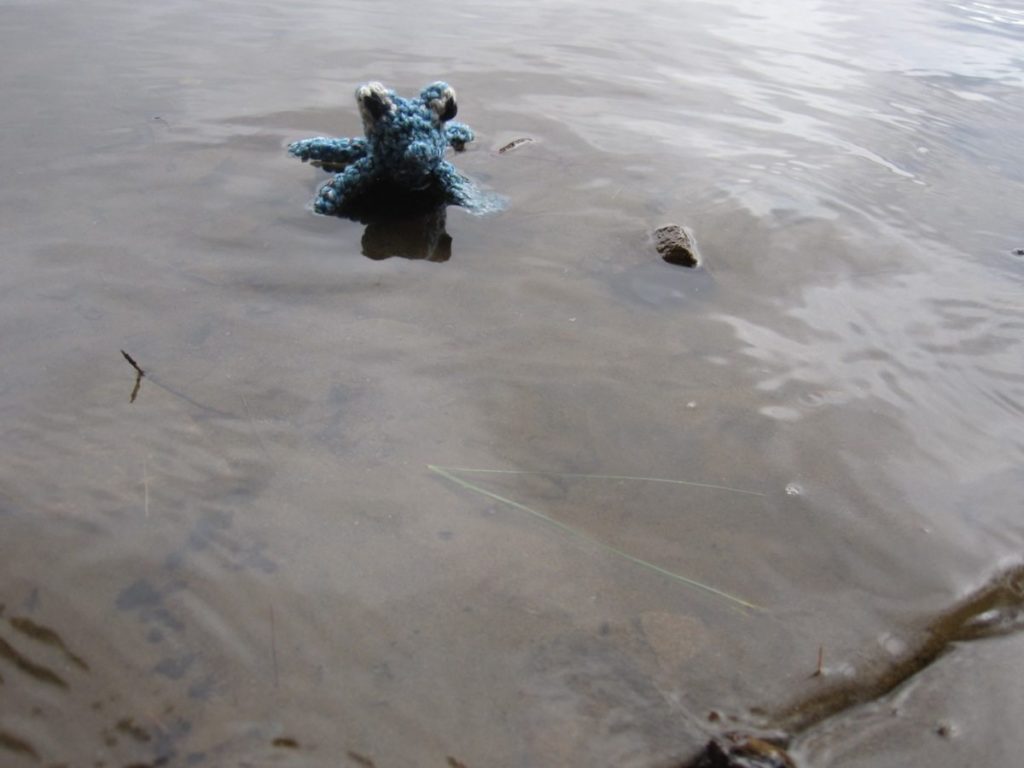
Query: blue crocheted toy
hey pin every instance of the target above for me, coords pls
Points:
(403, 151)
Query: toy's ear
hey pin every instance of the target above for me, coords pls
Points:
(440, 97)
(374, 102)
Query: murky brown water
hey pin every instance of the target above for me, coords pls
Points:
(252, 564)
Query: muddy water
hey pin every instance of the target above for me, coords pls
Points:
(253, 564)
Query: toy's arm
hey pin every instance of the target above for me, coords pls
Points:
(458, 189)
(330, 154)
(461, 191)
(339, 192)
(458, 135)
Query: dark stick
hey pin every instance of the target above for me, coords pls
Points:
(513, 144)
(133, 364)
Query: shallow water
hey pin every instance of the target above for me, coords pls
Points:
(252, 563)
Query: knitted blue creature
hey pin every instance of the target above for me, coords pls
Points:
(403, 152)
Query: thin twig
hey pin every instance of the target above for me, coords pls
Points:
(136, 388)
(139, 373)
(133, 363)
(820, 671)
(447, 474)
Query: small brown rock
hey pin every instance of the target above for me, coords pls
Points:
(676, 246)
(735, 750)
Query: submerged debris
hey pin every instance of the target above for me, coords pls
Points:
(676, 246)
(996, 609)
(513, 144)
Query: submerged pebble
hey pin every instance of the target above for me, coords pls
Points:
(676, 246)
(946, 729)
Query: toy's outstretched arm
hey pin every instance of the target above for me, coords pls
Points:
(329, 154)
(339, 191)
(458, 189)
(458, 135)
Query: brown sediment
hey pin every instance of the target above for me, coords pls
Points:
(128, 727)
(133, 364)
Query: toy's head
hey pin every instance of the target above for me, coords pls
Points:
(406, 136)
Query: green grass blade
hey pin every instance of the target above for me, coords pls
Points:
(446, 472)
(582, 476)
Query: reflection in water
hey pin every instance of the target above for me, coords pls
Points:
(400, 223)
(414, 237)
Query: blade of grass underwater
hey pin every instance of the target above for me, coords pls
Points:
(581, 476)
(446, 472)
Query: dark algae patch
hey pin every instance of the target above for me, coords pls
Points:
(359, 759)
(11, 743)
(38, 671)
(993, 610)
(46, 636)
